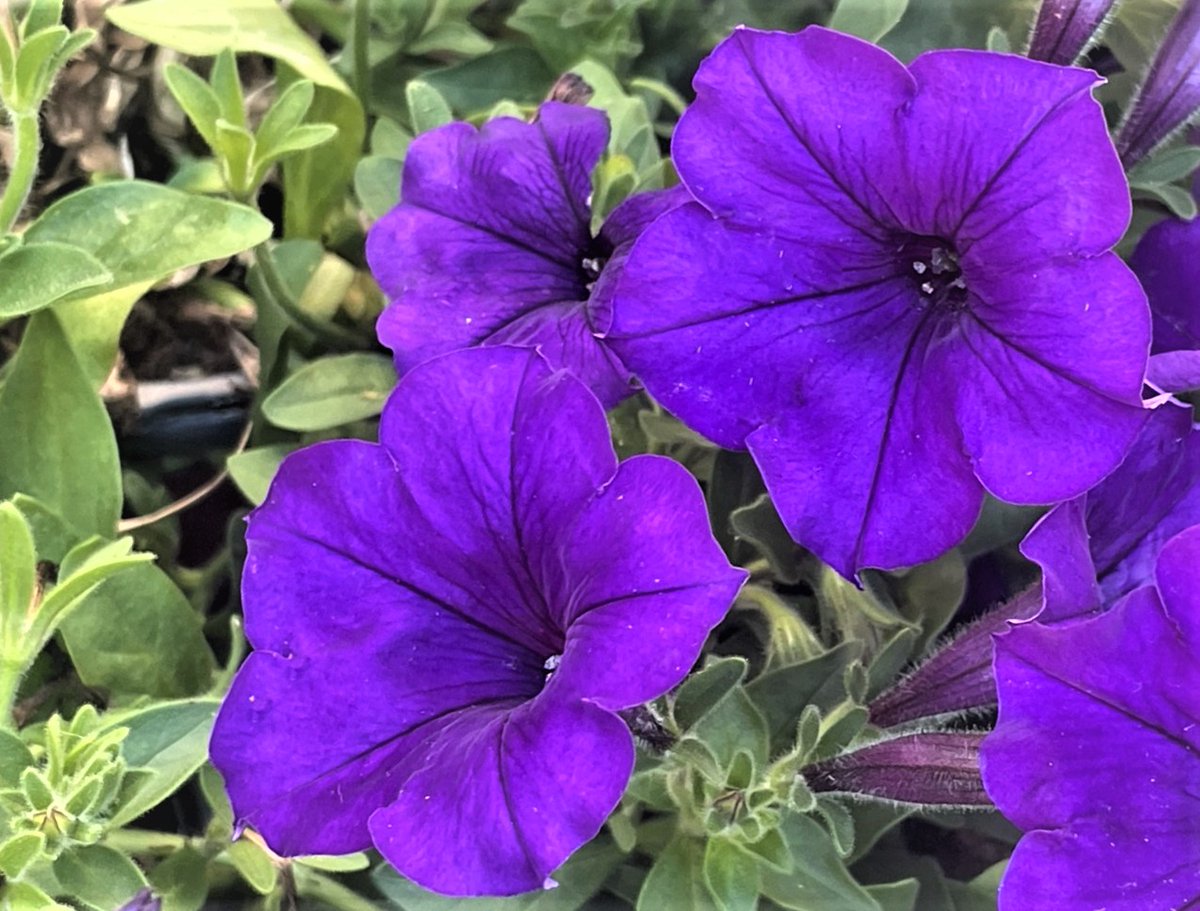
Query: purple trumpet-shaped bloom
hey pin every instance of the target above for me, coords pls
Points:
(896, 288)
(1169, 96)
(446, 624)
(1065, 28)
(1096, 753)
(1097, 548)
(492, 245)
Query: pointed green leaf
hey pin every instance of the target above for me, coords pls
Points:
(227, 88)
(285, 115)
(60, 446)
(19, 852)
(700, 692)
(869, 19)
(144, 231)
(35, 275)
(197, 98)
(18, 572)
(676, 881)
(99, 876)
(731, 875)
(331, 391)
(39, 15)
(782, 695)
(33, 72)
(427, 109)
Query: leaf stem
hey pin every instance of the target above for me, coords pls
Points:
(335, 336)
(27, 145)
(11, 672)
(362, 57)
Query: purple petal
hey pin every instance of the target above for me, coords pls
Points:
(1174, 371)
(1058, 543)
(1170, 94)
(1167, 261)
(879, 264)
(1049, 371)
(488, 244)
(1095, 753)
(1065, 28)
(614, 656)
(497, 801)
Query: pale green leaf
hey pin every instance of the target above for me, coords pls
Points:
(34, 275)
(331, 391)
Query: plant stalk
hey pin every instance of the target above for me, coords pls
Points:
(27, 145)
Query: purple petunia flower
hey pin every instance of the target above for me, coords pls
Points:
(492, 244)
(896, 288)
(1169, 96)
(1096, 753)
(1102, 545)
(445, 625)
(1065, 28)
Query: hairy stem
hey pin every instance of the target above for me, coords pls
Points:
(27, 144)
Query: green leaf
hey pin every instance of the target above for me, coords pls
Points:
(734, 725)
(782, 695)
(40, 14)
(235, 149)
(227, 88)
(15, 758)
(335, 863)
(513, 73)
(676, 881)
(285, 115)
(19, 851)
(331, 391)
(168, 657)
(1178, 201)
(18, 572)
(457, 38)
(144, 231)
(93, 327)
(567, 31)
(819, 880)
(170, 741)
(99, 876)
(181, 881)
(377, 184)
(35, 275)
(34, 68)
(60, 446)
(254, 864)
(897, 896)
(731, 875)
(869, 19)
(197, 98)
(427, 109)
(1166, 167)
(703, 690)
(27, 897)
(254, 469)
(307, 136)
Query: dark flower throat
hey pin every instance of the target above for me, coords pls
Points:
(932, 265)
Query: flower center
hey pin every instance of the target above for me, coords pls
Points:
(592, 262)
(932, 265)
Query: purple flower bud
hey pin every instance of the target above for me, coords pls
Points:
(145, 900)
(930, 769)
(1065, 28)
(1170, 94)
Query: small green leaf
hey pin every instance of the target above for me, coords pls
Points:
(869, 19)
(60, 447)
(227, 88)
(19, 851)
(181, 881)
(98, 876)
(196, 97)
(285, 115)
(254, 469)
(18, 573)
(235, 148)
(514, 73)
(27, 897)
(170, 741)
(1166, 167)
(456, 38)
(15, 758)
(254, 864)
(427, 109)
(39, 15)
(702, 691)
(377, 184)
(997, 41)
(731, 875)
(819, 879)
(676, 881)
(331, 391)
(898, 896)
(36, 275)
(341, 863)
(1178, 201)
(144, 231)
(34, 68)
(169, 656)
(783, 694)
